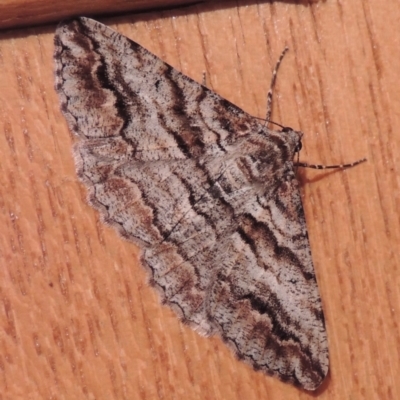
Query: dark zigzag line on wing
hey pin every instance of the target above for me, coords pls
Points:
(203, 95)
(279, 332)
(155, 282)
(294, 238)
(153, 206)
(191, 191)
(105, 83)
(186, 150)
(213, 190)
(258, 303)
(281, 252)
(271, 343)
(179, 109)
(223, 105)
(285, 377)
(193, 203)
(102, 75)
(282, 208)
(280, 318)
(127, 94)
(274, 309)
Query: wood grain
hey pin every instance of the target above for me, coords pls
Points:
(77, 319)
(18, 13)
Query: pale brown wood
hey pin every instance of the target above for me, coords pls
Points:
(18, 13)
(77, 319)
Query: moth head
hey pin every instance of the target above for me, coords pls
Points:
(271, 154)
(293, 138)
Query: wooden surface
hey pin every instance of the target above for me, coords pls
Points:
(77, 320)
(18, 13)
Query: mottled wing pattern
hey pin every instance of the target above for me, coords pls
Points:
(265, 298)
(206, 190)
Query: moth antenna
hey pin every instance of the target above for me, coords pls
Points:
(272, 85)
(335, 166)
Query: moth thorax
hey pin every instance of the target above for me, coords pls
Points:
(292, 140)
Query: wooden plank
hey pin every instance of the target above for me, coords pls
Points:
(77, 319)
(19, 13)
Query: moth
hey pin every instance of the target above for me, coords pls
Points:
(207, 191)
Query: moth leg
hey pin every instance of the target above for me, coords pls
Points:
(272, 85)
(204, 80)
